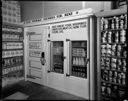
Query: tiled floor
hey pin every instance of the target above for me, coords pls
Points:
(38, 92)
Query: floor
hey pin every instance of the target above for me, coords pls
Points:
(38, 92)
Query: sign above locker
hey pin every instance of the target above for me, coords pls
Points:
(61, 27)
(69, 14)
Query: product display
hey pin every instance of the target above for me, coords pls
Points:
(79, 59)
(113, 57)
(12, 53)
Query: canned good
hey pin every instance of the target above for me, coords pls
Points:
(123, 36)
(109, 90)
(110, 79)
(122, 21)
(119, 62)
(114, 80)
(124, 69)
(110, 73)
(103, 89)
(119, 75)
(109, 37)
(118, 54)
(117, 22)
(119, 81)
(119, 48)
(125, 54)
(106, 23)
(102, 23)
(113, 66)
(113, 22)
(115, 74)
(123, 82)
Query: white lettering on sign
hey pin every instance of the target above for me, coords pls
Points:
(62, 27)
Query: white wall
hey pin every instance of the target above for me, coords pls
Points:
(39, 9)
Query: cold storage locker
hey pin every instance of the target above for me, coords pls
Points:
(71, 54)
(67, 41)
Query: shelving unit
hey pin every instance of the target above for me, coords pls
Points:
(12, 53)
(112, 52)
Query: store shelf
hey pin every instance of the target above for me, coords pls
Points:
(113, 70)
(79, 47)
(114, 57)
(12, 49)
(78, 65)
(79, 56)
(13, 63)
(113, 29)
(113, 43)
(113, 83)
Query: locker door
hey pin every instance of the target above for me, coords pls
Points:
(78, 68)
(36, 54)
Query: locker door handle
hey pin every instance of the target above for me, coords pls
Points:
(48, 71)
(67, 75)
(64, 57)
(88, 61)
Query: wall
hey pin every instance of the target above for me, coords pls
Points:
(33, 10)
(55, 8)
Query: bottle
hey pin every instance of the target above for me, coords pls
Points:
(82, 62)
(77, 61)
(123, 36)
(74, 60)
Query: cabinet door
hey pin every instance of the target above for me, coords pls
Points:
(55, 75)
(36, 42)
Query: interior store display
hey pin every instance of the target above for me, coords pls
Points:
(12, 53)
(113, 60)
